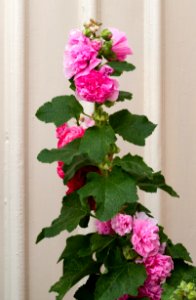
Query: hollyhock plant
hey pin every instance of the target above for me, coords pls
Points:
(126, 255)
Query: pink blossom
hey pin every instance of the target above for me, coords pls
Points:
(122, 224)
(151, 289)
(159, 267)
(145, 238)
(96, 87)
(68, 134)
(65, 135)
(80, 54)
(60, 171)
(103, 228)
(120, 44)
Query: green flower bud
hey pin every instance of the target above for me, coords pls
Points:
(106, 34)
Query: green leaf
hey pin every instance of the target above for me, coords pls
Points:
(71, 214)
(110, 192)
(100, 242)
(64, 154)
(120, 67)
(178, 251)
(96, 142)
(133, 128)
(134, 165)
(132, 208)
(182, 271)
(124, 96)
(60, 110)
(158, 181)
(122, 280)
(93, 146)
(74, 270)
(86, 291)
(75, 245)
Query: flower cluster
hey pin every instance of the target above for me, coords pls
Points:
(84, 63)
(144, 238)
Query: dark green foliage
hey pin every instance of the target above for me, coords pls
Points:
(74, 270)
(124, 96)
(60, 110)
(133, 128)
(178, 251)
(116, 282)
(158, 181)
(110, 192)
(135, 166)
(89, 147)
(120, 67)
(71, 214)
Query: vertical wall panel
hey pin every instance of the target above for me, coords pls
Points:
(180, 120)
(49, 25)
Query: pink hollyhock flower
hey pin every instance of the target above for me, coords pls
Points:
(122, 224)
(80, 54)
(103, 228)
(151, 289)
(69, 134)
(159, 267)
(120, 44)
(145, 238)
(96, 87)
(65, 135)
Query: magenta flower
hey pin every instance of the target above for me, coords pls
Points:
(159, 267)
(120, 44)
(151, 289)
(65, 135)
(121, 224)
(80, 55)
(96, 87)
(145, 238)
(104, 227)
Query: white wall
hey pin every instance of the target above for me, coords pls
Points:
(47, 26)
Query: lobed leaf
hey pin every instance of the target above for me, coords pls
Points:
(124, 279)
(74, 270)
(133, 128)
(120, 67)
(158, 181)
(93, 146)
(110, 192)
(71, 214)
(60, 110)
(124, 96)
(178, 251)
(134, 165)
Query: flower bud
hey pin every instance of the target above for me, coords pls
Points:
(106, 34)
